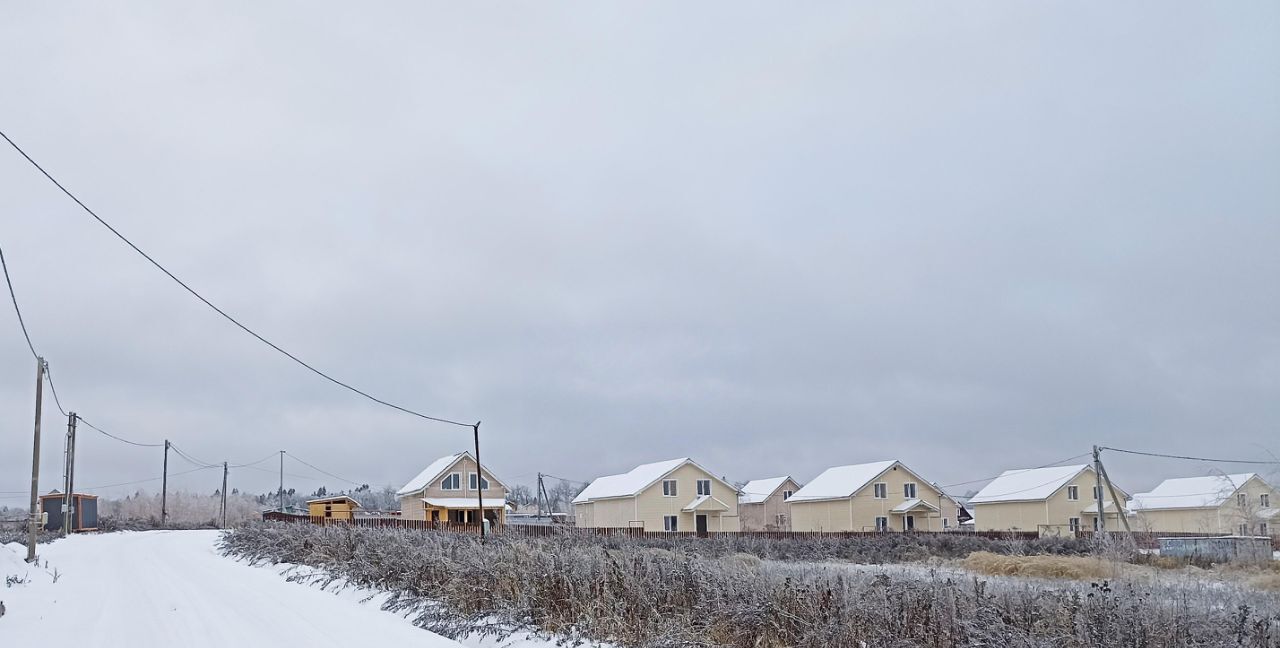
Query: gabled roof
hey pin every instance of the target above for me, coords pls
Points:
(335, 498)
(636, 480)
(842, 481)
(437, 469)
(705, 503)
(908, 505)
(757, 491)
(1027, 484)
(1190, 492)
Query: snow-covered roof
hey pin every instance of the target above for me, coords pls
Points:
(335, 498)
(841, 481)
(463, 502)
(1092, 509)
(907, 505)
(429, 474)
(705, 503)
(1190, 492)
(757, 491)
(631, 483)
(1027, 484)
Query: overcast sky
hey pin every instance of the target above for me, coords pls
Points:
(774, 237)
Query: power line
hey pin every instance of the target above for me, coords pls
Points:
(210, 304)
(1053, 463)
(14, 297)
(254, 463)
(48, 375)
(1171, 456)
(121, 439)
(190, 459)
(322, 471)
(143, 481)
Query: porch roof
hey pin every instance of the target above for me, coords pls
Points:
(912, 505)
(706, 503)
(463, 502)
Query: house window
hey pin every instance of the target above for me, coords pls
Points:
(471, 482)
(1242, 499)
(946, 523)
(786, 495)
(882, 524)
(1073, 524)
(1096, 494)
(1262, 528)
(881, 490)
(452, 481)
(1265, 500)
(909, 490)
(670, 523)
(669, 488)
(704, 486)
(1244, 529)
(781, 520)
(908, 523)
(1073, 493)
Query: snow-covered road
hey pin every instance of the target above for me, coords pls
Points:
(171, 588)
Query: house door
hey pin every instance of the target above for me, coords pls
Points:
(700, 524)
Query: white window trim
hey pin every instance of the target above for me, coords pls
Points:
(1073, 523)
(671, 523)
(908, 519)
(880, 490)
(698, 486)
(1073, 493)
(674, 491)
(1242, 499)
(488, 484)
(786, 495)
(884, 526)
(1265, 500)
(915, 490)
(449, 477)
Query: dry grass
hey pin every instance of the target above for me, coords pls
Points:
(1265, 582)
(1068, 567)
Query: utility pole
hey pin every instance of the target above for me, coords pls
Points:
(475, 429)
(34, 524)
(1115, 500)
(1100, 531)
(164, 487)
(539, 495)
(281, 491)
(224, 494)
(68, 501)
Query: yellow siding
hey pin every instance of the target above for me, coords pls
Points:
(773, 514)
(1223, 519)
(1050, 516)
(334, 510)
(412, 507)
(647, 509)
(859, 512)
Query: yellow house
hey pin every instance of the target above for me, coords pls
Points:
(1242, 504)
(333, 508)
(878, 496)
(763, 504)
(450, 490)
(1057, 500)
(674, 495)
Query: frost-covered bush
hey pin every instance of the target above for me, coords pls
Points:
(634, 592)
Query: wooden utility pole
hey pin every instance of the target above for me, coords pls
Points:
(34, 523)
(475, 429)
(224, 494)
(539, 496)
(164, 487)
(280, 493)
(1100, 531)
(1115, 500)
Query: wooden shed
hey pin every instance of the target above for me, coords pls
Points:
(84, 511)
(334, 508)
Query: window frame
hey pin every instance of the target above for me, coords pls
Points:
(786, 495)
(670, 488)
(882, 523)
(910, 486)
(471, 477)
(1242, 499)
(908, 523)
(671, 523)
(697, 485)
(880, 490)
(1073, 523)
(1073, 493)
(456, 478)
(1264, 500)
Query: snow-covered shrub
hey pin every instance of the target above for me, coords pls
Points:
(635, 592)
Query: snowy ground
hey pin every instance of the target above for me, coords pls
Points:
(171, 588)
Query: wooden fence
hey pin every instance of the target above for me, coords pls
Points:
(1143, 539)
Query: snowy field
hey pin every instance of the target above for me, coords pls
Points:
(172, 588)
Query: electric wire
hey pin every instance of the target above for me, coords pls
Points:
(210, 304)
(14, 297)
(1172, 456)
(121, 439)
(291, 456)
(1053, 463)
(143, 481)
